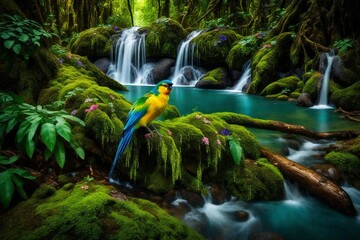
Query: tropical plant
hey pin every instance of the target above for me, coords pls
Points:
(20, 36)
(37, 124)
(235, 149)
(344, 44)
(10, 179)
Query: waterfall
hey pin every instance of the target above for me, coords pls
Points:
(245, 77)
(128, 56)
(324, 91)
(184, 68)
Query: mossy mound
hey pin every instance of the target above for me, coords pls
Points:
(92, 43)
(311, 82)
(215, 79)
(212, 47)
(283, 86)
(163, 37)
(257, 181)
(88, 211)
(347, 98)
(272, 58)
(347, 163)
(241, 52)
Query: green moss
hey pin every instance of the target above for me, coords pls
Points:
(92, 42)
(266, 163)
(44, 191)
(91, 214)
(310, 86)
(283, 85)
(272, 58)
(214, 78)
(171, 112)
(349, 164)
(255, 182)
(213, 47)
(347, 98)
(247, 141)
(163, 37)
(241, 52)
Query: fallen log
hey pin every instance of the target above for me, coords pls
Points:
(246, 121)
(317, 185)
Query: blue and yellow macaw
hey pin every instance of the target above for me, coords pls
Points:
(144, 111)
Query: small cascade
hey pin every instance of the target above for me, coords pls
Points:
(324, 91)
(128, 56)
(185, 71)
(245, 77)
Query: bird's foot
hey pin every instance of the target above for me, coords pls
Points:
(155, 130)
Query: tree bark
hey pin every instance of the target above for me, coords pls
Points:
(317, 185)
(130, 11)
(239, 119)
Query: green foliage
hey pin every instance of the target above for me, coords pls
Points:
(11, 178)
(39, 125)
(344, 44)
(235, 149)
(88, 179)
(20, 36)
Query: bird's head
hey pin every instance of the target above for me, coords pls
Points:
(164, 87)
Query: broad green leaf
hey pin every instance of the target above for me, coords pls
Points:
(4, 160)
(23, 130)
(22, 172)
(78, 149)
(16, 48)
(24, 37)
(64, 130)
(48, 135)
(2, 129)
(9, 43)
(19, 186)
(11, 124)
(33, 127)
(236, 151)
(7, 188)
(30, 148)
(48, 153)
(59, 153)
(5, 35)
(75, 119)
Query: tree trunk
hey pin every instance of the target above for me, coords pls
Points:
(130, 11)
(317, 185)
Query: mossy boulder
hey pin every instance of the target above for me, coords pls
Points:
(214, 79)
(163, 37)
(90, 211)
(347, 98)
(241, 52)
(347, 163)
(92, 43)
(272, 58)
(311, 83)
(283, 86)
(212, 47)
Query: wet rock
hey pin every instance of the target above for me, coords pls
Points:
(162, 69)
(328, 171)
(265, 236)
(304, 100)
(241, 215)
(219, 194)
(193, 198)
(102, 64)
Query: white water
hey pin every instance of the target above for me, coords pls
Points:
(324, 91)
(185, 62)
(128, 57)
(245, 77)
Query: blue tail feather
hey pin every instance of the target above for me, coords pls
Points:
(124, 142)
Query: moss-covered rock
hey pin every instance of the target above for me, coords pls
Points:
(311, 82)
(171, 112)
(212, 47)
(215, 79)
(347, 98)
(88, 211)
(163, 37)
(284, 86)
(272, 58)
(347, 163)
(92, 43)
(257, 181)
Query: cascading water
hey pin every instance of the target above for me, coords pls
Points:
(128, 57)
(245, 77)
(185, 72)
(324, 91)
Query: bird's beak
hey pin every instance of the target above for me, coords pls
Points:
(169, 87)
